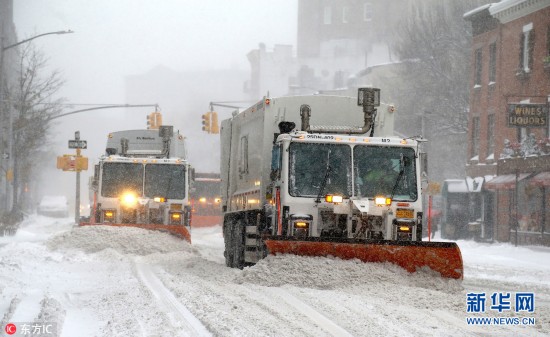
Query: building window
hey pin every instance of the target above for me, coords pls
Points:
(492, 62)
(367, 12)
(475, 137)
(478, 67)
(491, 134)
(328, 16)
(345, 14)
(526, 45)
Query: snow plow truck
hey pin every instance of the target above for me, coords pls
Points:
(324, 175)
(143, 181)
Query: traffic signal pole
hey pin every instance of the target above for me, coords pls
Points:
(77, 197)
(210, 119)
(75, 163)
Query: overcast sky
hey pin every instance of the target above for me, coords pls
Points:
(116, 38)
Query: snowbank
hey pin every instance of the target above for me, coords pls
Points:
(334, 273)
(125, 240)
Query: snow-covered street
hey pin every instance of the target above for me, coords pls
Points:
(104, 281)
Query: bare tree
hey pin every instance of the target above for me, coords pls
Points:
(33, 102)
(435, 47)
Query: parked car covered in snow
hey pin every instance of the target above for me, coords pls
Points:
(54, 206)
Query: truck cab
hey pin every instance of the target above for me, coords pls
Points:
(143, 181)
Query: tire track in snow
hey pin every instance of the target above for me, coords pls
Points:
(251, 301)
(321, 320)
(178, 314)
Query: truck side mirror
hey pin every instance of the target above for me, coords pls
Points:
(424, 163)
(275, 162)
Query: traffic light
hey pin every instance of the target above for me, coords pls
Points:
(150, 121)
(154, 120)
(158, 119)
(214, 128)
(206, 126)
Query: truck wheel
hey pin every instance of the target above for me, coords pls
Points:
(228, 240)
(238, 245)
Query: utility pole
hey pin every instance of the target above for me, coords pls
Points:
(75, 163)
(77, 198)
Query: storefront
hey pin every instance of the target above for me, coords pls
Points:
(467, 211)
(522, 201)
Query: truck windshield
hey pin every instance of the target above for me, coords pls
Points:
(377, 169)
(118, 178)
(165, 180)
(317, 168)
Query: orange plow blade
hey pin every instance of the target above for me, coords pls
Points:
(177, 230)
(206, 220)
(442, 257)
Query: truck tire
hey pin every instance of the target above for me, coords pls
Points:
(228, 241)
(238, 244)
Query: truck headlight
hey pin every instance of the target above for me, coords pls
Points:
(108, 215)
(300, 225)
(336, 199)
(129, 199)
(301, 229)
(382, 201)
(175, 218)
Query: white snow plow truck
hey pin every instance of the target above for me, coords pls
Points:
(143, 181)
(297, 180)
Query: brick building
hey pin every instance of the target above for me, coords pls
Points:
(509, 130)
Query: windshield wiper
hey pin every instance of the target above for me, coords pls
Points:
(401, 172)
(325, 179)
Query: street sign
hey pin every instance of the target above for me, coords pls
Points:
(78, 144)
(528, 115)
(434, 188)
(69, 162)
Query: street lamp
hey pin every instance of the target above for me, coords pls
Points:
(35, 37)
(9, 154)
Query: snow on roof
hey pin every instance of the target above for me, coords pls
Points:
(503, 5)
(464, 185)
(456, 186)
(493, 8)
(474, 184)
(476, 10)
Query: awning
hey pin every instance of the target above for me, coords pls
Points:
(456, 186)
(504, 182)
(463, 185)
(542, 179)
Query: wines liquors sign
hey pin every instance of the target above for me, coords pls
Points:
(527, 115)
